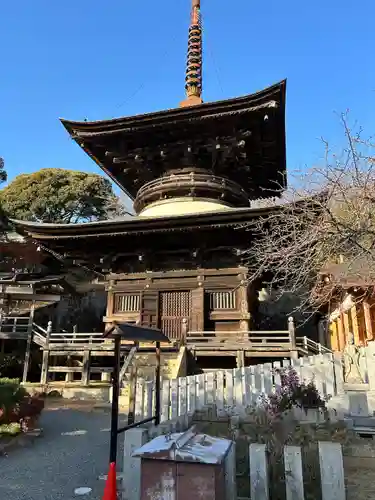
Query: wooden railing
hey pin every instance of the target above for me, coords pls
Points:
(252, 340)
(237, 340)
(310, 346)
(78, 339)
(16, 327)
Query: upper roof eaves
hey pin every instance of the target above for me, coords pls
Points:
(273, 96)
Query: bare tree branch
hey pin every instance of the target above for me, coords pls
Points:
(326, 219)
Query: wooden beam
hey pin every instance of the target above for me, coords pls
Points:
(345, 317)
(78, 369)
(334, 345)
(178, 274)
(368, 322)
(341, 333)
(354, 317)
(127, 361)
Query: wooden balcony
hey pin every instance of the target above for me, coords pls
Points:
(253, 343)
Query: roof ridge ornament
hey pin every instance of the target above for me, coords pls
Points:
(193, 77)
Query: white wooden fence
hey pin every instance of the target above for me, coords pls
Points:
(330, 463)
(234, 389)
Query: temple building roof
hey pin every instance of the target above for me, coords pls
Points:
(240, 139)
(136, 225)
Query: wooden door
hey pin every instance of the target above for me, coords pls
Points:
(174, 307)
(149, 308)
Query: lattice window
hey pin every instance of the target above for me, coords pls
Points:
(223, 300)
(125, 302)
(175, 307)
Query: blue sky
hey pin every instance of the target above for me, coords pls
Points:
(94, 59)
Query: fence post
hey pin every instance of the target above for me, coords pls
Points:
(292, 338)
(258, 472)
(44, 374)
(339, 372)
(131, 482)
(293, 473)
(331, 471)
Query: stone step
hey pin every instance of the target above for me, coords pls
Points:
(354, 403)
(146, 364)
(368, 431)
(368, 422)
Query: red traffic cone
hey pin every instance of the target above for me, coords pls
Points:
(110, 490)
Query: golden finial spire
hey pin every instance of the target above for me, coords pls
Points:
(193, 78)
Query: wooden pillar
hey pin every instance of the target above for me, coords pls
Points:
(69, 376)
(86, 368)
(292, 337)
(368, 323)
(240, 359)
(132, 390)
(341, 334)
(28, 343)
(44, 374)
(242, 297)
(197, 310)
(334, 336)
(354, 317)
(322, 336)
(110, 301)
(345, 317)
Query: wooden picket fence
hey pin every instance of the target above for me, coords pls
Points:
(332, 484)
(331, 472)
(237, 388)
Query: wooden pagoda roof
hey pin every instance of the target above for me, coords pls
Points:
(242, 139)
(139, 225)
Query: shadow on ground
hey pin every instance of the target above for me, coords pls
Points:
(71, 453)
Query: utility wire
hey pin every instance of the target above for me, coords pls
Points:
(164, 57)
(216, 68)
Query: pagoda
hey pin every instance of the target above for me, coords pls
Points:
(194, 174)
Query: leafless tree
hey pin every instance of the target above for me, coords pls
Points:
(326, 218)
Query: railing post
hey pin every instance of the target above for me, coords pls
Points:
(44, 374)
(86, 367)
(305, 344)
(184, 330)
(28, 343)
(292, 338)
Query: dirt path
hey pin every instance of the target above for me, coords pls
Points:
(71, 453)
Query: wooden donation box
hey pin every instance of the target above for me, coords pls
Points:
(187, 465)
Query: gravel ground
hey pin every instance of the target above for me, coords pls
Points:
(71, 453)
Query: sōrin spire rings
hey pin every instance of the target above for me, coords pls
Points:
(193, 78)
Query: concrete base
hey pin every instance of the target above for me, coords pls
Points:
(354, 403)
(99, 392)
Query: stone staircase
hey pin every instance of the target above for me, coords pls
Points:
(174, 363)
(145, 364)
(357, 408)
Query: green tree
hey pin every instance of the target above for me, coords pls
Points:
(3, 174)
(60, 196)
